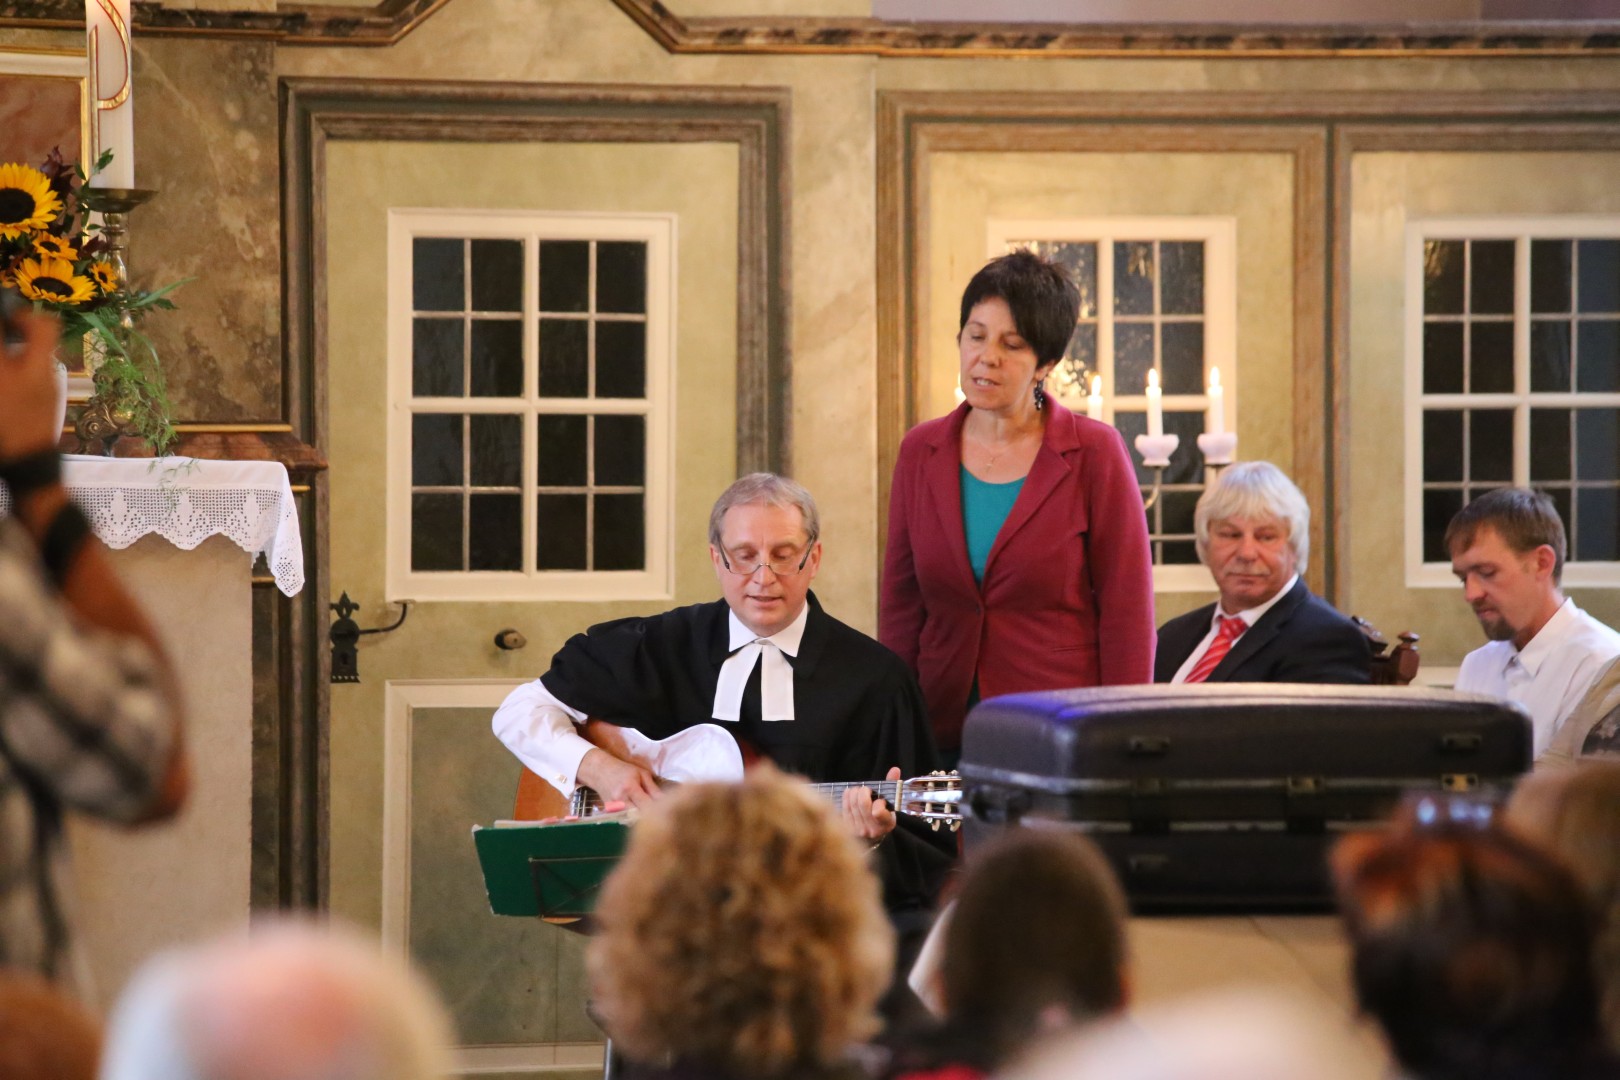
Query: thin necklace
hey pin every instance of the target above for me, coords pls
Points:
(990, 461)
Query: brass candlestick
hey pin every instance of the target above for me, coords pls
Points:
(102, 420)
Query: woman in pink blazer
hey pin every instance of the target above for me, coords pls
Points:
(1018, 552)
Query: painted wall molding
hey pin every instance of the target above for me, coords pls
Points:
(968, 40)
(290, 24)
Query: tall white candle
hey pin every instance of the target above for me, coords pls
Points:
(1217, 403)
(1155, 400)
(112, 114)
(1094, 399)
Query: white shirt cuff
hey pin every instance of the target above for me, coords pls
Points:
(540, 732)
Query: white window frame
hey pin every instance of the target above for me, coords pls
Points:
(1219, 236)
(1436, 575)
(655, 581)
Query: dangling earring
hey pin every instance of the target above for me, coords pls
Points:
(1040, 397)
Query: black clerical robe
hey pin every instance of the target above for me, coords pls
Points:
(858, 711)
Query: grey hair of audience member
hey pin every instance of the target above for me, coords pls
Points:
(1233, 1034)
(289, 1001)
(1251, 490)
(766, 489)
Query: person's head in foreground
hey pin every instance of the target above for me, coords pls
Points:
(1471, 950)
(44, 1033)
(1575, 813)
(287, 1001)
(1235, 1033)
(742, 933)
(1036, 942)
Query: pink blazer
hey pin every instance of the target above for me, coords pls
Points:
(1067, 598)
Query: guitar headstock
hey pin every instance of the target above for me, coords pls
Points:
(936, 798)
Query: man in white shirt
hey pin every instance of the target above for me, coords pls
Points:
(1507, 548)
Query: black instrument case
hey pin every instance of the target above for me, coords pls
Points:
(1227, 796)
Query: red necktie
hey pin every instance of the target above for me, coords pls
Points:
(1232, 628)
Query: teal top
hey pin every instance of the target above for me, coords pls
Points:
(985, 507)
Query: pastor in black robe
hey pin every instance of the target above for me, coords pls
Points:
(858, 712)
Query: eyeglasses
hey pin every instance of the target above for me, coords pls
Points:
(779, 567)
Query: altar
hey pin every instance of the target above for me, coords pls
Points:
(185, 535)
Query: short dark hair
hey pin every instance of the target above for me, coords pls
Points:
(1044, 300)
(1039, 921)
(1524, 519)
(1471, 948)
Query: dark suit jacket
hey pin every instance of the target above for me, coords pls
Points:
(1301, 639)
(1067, 598)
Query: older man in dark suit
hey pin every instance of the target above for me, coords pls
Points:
(1253, 531)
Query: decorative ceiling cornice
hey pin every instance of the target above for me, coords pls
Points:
(877, 37)
(290, 24)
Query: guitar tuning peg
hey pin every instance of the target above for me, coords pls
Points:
(934, 825)
(955, 825)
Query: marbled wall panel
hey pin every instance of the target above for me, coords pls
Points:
(37, 114)
(1388, 190)
(505, 980)
(206, 140)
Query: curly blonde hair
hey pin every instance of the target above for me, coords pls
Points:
(742, 930)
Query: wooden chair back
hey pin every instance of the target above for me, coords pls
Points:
(1391, 667)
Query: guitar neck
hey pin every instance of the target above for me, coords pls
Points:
(586, 802)
(883, 789)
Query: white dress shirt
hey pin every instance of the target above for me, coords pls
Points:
(540, 730)
(1248, 615)
(1550, 675)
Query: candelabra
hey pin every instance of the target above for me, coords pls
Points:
(1156, 451)
(104, 419)
(1218, 447)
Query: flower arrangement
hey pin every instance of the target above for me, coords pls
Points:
(56, 256)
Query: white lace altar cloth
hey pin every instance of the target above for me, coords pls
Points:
(187, 500)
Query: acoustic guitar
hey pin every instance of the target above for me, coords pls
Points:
(688, 756)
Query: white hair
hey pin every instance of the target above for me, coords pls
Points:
(1253, 490)
(291, 1001)
(1233, 1033)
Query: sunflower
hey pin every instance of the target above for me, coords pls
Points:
(54, 246)
(26, 200)
(52, 279)
(105, 277)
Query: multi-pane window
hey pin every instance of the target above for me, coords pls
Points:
(1155, 295)
(536, 400)
(1514, 334)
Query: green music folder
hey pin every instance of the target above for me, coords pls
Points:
(550, 870)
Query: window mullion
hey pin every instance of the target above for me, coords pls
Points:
(530, 471)
(1521, 361)
(1105, 322)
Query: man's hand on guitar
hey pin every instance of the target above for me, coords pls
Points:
(867, 816)
(617, 780)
